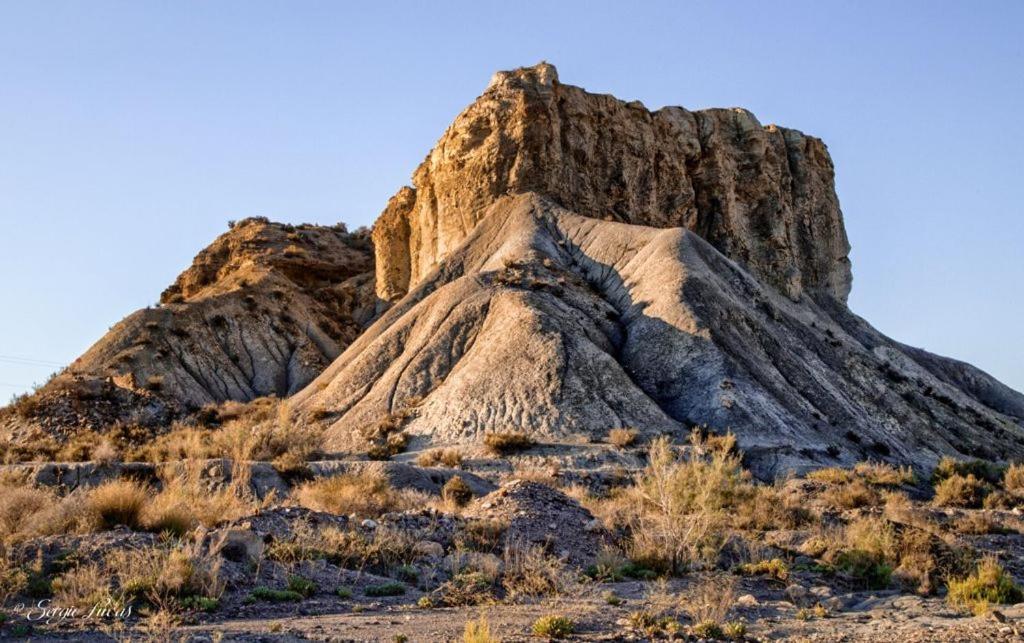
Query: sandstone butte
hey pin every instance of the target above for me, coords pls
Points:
(564, 263)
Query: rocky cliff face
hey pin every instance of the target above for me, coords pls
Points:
(761, 195)
(261, 311)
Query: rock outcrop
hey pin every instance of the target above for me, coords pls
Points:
(565, 327)
(761, 195)
(261, 311)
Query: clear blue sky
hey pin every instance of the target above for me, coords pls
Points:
(131, 132)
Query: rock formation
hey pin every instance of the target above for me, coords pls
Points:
(566, 327)
(261, 311)
(565, 264)
(763, 196)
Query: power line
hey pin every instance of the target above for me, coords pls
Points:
(28, 361)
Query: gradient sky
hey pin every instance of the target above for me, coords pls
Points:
(130, 133)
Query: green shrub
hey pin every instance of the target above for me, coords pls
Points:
(301, 585)
(775, 568)
(200, 603)
(343, 593)
(949, 467)
(262, 593)
(708, 630)
(989, 584)
(385, 589)
(866, 567)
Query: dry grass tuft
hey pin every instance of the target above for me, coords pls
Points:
(451, 458)
(507, 442)
(622, 438)
(363, 495)
(118, 502)
(478, 631)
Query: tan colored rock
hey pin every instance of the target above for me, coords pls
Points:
(763, 196)
(261, 311)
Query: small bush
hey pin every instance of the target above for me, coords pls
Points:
(301, 585)
(978, 524)
(507, 442)
(735, 630)
(882, 474)
(622, 438)
(989, 584)
(200, 603)
(262, 593)
(961, 491)
(866, 567)
(385, 589)
(343, 593)
(553, 627)
(775, 568)
(707, 630)
(457, 492)
(949, 467)
(481, 535)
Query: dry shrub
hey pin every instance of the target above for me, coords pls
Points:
(13, 578)
(367, 494)
(163, 576)
(530, 572)
(622, 438)
(708, 601)
(961, 491)
(1013, 480)
(187, 499)
(118, 502)
(105, 453)
(181, 442)
(680, 513)
(861, 486)
(977, 523)
(83, 587)
(481, 535)
(27, 512)
(456, 492)
(883, 474)
(851, 495)
(262, 430)
(507, 442)
(830, 475)
(451, 458)
(381, 551)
